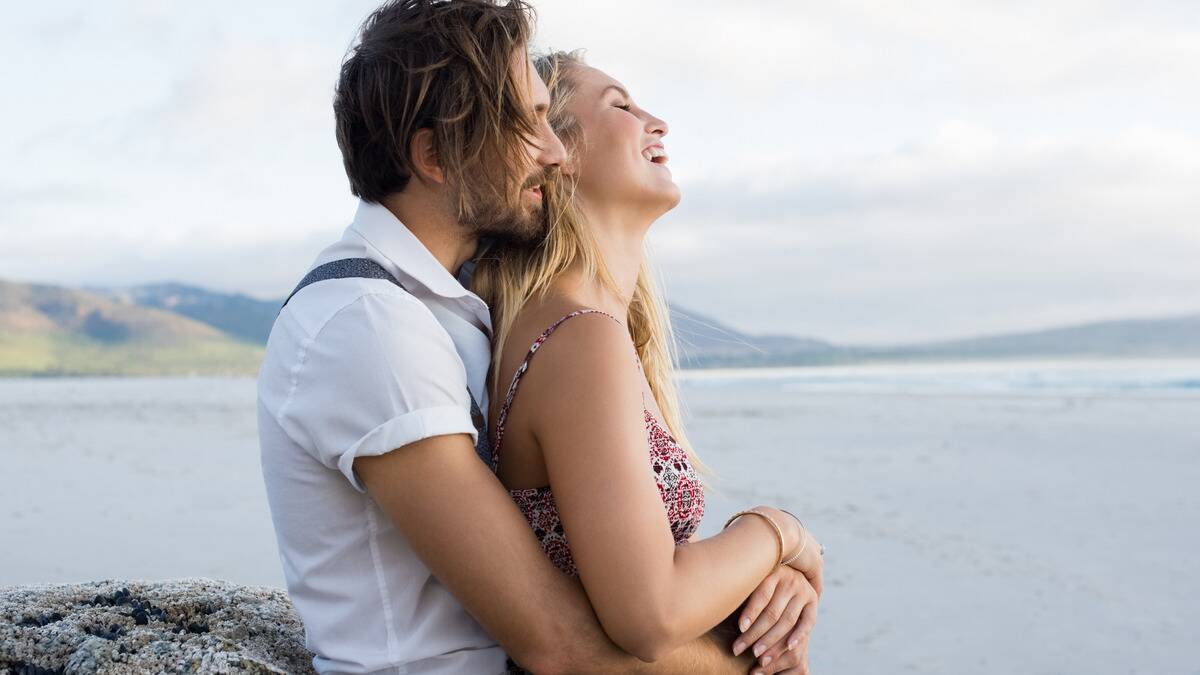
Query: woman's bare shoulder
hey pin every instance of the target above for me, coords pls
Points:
(537, 316)
(587, 352)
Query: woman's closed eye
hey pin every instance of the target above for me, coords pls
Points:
(626, 106)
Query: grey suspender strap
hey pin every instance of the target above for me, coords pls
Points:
(365, 268)
(346, 268)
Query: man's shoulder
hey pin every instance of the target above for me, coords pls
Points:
(335, 293)
(352, 336)
(354, 324)
(370, 304)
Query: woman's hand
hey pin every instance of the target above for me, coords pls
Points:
(776, 622)
(809, 563)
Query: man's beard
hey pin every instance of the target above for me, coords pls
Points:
(518, 223)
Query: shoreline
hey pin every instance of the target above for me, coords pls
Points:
(775, 371)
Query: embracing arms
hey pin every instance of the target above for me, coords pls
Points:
(394, 419)
(650, 595)
(462, 523)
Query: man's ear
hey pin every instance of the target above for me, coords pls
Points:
(425, 157)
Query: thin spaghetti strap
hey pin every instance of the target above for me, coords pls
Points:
(512, 388)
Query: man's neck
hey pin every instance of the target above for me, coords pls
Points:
(449, 242)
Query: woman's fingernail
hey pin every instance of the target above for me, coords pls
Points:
(766, 660)
(738, 647)
(793, 643)
(758, 650)
(744, 625)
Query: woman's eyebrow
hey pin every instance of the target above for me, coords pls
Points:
(618, 88)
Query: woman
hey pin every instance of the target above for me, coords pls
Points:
(592, 448)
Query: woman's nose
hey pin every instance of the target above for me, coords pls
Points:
(657, 126)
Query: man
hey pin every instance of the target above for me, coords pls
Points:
(402, 551)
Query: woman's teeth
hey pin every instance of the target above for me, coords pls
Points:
(655, 155)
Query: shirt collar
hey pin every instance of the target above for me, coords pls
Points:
(401, 247)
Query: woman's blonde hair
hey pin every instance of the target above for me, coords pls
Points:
(507, 277)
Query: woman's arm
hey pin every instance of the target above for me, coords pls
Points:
(586, 412)
(495, 568)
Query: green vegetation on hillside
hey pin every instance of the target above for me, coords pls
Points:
(46, 330)
(24, 355)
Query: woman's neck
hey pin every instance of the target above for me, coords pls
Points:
(621, 244)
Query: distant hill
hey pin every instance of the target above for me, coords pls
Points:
(238, 315)
(1144, 338)
(48, 330)
(705, 342)
(174, 328)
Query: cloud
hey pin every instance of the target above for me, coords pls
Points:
(964, 232)
(197, 131)
(852, 169)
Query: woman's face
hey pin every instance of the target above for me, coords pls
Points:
(621, 162)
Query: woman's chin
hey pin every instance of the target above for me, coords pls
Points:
(663, 205)
(670, 196)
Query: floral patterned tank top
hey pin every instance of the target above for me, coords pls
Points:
(679, 486)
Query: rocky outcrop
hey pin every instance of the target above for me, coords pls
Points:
(178, 626)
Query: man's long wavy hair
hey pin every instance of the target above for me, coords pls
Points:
(510, 275)
(451, 66)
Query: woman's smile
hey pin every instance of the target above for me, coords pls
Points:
(656, 154)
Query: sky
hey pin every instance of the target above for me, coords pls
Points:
(863, 172)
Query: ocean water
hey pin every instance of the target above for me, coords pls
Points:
(978, 518)
(1052, 378)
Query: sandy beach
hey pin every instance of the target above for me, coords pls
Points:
(974, 523)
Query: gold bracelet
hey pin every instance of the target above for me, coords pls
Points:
(778, 532)
(802, 531)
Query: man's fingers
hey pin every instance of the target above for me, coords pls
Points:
(769, 616)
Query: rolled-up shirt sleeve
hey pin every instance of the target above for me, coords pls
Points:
(379, 374)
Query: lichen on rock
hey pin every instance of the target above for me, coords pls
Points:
(177, 626)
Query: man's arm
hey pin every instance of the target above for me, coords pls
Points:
(462, 523)
(709, 653)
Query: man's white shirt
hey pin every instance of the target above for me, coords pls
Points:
(358, 367)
